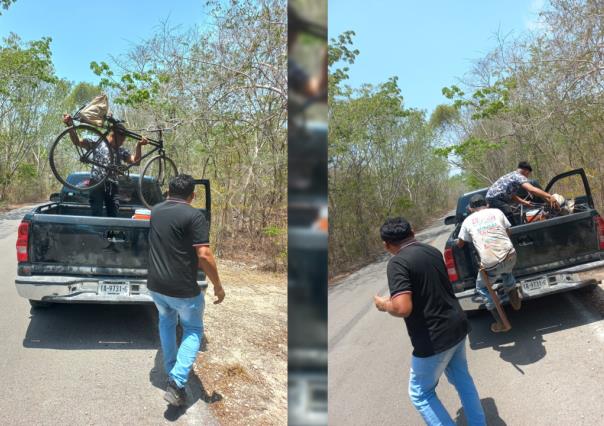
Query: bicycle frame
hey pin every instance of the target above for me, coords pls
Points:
(157, 144)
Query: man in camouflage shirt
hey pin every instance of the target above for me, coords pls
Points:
(504, 191)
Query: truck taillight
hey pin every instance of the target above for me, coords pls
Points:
(600, 227)
(450, 263)
(22, 242)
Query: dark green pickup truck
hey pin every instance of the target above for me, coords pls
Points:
(561, 253)
(65, 255)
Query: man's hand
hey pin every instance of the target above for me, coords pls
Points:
(219, 293)
(68, 120)
(400, 306)
(380, 303)
(143, 141)
(553, 202)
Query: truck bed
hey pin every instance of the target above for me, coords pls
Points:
(557, 254)
(75, 257)
(541, 247)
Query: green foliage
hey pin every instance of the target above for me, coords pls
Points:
(535, 98)
(401, 204)
(24, 65)
(222, 91)
(82, 93)
(470, 149)
(381, 163)
(486, 102)
(444, 115)
(31, 101)
(274, 231)
(340, 52)
(6, 3)
(27, 171)
(134, 89)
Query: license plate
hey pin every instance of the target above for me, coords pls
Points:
(534, 284)
(114, 289)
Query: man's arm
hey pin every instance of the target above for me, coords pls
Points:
(399, 306)
(136, 157)
(207, 264)
(540, 193)
(72, 133)
(463, 236)
(519, 200)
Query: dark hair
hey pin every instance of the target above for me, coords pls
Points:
(525, 165)
(477, 200)
(119, 128)
(181, 186)
(395, 230)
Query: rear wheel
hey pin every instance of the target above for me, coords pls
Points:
(66, 158)
(158, 172)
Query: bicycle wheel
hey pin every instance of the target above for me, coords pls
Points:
(67, 158)
(154, 180)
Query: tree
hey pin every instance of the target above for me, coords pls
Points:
(27, 84)
(538, 97)
(223, 92)
(381, 162)
(6, 3)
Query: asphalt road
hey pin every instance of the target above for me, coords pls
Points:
(546, 371)
(81, 364)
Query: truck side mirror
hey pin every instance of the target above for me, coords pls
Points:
(450, 220)
(55, 198)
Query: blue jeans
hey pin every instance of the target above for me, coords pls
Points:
(503, 270)
(424, 376)
(179, 360)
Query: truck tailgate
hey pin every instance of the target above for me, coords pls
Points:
(556, 243)
(77, 244)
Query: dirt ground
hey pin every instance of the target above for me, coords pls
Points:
(243, 364)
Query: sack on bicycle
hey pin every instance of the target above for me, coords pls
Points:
(95, 112)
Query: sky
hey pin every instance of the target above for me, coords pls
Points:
(86, 31)
(428, 44)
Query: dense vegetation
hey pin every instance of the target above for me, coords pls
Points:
(221, 90)
(382, 162)
(536, 97)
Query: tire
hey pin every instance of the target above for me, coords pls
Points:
(159, 169)
(38, 304)
(66, 158)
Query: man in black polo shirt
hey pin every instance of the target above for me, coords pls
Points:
(179, 246)
(420, 292)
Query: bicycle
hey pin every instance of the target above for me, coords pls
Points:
(65, 158)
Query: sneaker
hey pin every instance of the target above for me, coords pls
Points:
(174, 395)
(515, 300)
